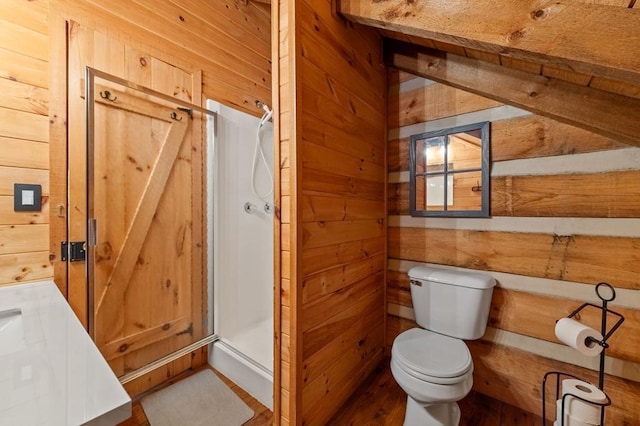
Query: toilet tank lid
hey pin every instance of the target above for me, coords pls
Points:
(452, 277)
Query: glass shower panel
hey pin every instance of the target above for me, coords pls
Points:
(149, 292)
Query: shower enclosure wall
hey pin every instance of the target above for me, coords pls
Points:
(241, 234)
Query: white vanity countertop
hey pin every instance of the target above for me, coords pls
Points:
(54, 375)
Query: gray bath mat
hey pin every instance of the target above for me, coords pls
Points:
(201, 399)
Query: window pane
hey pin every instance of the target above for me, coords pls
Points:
(421, 156)
(435, 189)
(467, 192)
(465, 151)
(436, 153)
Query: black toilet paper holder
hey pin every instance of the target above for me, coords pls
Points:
(605, 298)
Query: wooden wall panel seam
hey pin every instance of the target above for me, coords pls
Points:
(13, 153)
(213, 39)
(10, 175)
(328, 110)
(323, 258)
(135, 17)
(319, 79)
(315, 22)
(321, 158)
(230, 88)
(324, 184)
(23, 97)
(327, 208)
(241, 28)
(24, 267)
(15, 66)
(24, 125)
(33, 17)
(23, 41)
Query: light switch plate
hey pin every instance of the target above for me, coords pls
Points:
(27, 197)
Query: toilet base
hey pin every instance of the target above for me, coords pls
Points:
(439, 414)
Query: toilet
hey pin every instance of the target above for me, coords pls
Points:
(432, 364)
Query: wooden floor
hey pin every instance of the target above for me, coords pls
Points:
(380, 401)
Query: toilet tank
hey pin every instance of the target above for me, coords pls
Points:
(450, 302)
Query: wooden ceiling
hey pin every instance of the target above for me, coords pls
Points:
(545, 56)
(587, 80)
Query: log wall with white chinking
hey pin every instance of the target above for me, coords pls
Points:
(24, 138)
(565, 215)
(332, 208)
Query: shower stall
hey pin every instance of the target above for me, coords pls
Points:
(169, 270)
(240, 231)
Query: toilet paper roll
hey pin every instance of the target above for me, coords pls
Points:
(579, 409)
(574, 334)
(569, 420)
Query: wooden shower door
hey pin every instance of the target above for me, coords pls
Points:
(147, 283)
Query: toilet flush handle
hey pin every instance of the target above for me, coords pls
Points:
(415, 282)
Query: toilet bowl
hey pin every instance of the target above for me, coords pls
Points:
(432, 364)
(435, 371)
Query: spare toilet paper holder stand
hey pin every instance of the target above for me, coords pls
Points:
(605, 298)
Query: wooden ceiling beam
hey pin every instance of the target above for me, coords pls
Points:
(608, 114)
(588, 38)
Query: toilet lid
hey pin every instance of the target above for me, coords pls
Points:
(425, 353)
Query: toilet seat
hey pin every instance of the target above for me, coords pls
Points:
(432, 357)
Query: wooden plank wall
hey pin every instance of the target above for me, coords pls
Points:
(229, 40)
(565, 216)
(24, 138)
(332, 198)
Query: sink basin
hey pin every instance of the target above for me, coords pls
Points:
(11, 331)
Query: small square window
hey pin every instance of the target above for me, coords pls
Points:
(449, 172)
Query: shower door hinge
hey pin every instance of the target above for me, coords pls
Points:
(74, 251)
